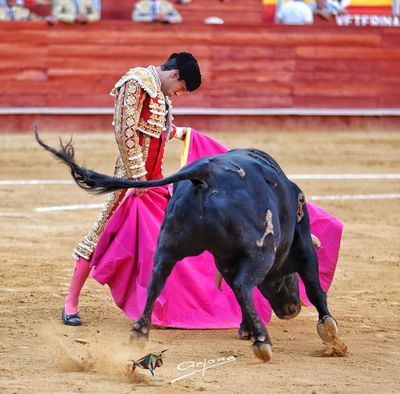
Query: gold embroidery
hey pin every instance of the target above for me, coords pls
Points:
(129, 122)
(135, 157)
(126, 129)
(155, 125)
(159, 105)
(148, 129)
(146, 78)
(158, 113)
(156, 79)
(87, 246)
(145, 147)
(130, 144)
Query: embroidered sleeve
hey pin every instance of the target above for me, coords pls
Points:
(86, 247)
(128, 107)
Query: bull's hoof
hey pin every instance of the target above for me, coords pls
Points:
(243, 334)
(327, 328)
(139, 334)
(263, 351)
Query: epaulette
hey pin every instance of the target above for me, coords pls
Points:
(143, 77)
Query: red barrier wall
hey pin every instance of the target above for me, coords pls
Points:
(243, 66)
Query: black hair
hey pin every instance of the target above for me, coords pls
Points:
(188, 68)
(170, 64)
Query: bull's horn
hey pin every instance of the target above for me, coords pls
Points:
(218, 280)
(315, 241)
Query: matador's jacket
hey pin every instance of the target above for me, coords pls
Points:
(143, 123)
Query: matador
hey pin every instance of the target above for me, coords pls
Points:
(143, 124)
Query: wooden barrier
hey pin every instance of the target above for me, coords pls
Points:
(244, 66)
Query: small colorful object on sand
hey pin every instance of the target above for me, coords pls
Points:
(151, 361)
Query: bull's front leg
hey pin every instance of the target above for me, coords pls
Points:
(262, 343)
(250, 274)
(244, 332)
(163, 265)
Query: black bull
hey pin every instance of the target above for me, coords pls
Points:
(242, 208)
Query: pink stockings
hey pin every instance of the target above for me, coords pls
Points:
(81, 272)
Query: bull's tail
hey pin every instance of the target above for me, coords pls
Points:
(97, 183)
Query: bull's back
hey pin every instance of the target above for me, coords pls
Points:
(243, 197)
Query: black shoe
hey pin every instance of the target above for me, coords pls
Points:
(70, 320)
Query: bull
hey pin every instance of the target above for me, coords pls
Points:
(241, 207)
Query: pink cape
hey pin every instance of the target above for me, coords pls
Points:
(123, 259)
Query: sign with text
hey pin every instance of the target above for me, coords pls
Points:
(367, 20)
(356, 9)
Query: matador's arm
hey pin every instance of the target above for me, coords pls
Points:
(128, 106)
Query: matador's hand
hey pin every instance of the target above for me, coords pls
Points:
(140, 191)
(181, 132)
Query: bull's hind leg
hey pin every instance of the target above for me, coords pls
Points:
(163, 265)
(308, 271)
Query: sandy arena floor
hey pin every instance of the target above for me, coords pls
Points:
(39, 354)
